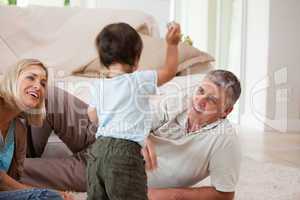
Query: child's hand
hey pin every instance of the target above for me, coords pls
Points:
(173, 35)
(92, 114)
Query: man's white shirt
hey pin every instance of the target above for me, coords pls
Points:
(186, 159)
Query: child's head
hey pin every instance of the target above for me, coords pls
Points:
(119, 43)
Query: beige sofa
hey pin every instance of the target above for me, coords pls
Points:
(63, 38)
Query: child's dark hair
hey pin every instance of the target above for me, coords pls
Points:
(119, 43)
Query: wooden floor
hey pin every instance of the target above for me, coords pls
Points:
(280, 148)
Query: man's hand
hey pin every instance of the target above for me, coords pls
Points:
(200, 193)
(149, 155)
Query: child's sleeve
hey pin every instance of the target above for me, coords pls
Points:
(94, 94)
(147, 81)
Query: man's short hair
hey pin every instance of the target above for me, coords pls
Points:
(227, 80)
(119, 43)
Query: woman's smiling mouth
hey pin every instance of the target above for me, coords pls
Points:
(34, 94)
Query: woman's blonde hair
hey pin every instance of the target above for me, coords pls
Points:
(9, 91)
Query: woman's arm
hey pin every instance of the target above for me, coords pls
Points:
(8, 183)
(67, 116)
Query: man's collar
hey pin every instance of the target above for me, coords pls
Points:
(212, 125)
(182, 120)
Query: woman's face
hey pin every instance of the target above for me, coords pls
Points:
(31, 87)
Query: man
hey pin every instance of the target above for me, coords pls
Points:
(191, 143)
(196, 141)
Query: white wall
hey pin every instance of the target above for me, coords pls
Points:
(23, 3)
(271, 84)
(283, 100)
(193, 17)
(255, 69)
(223, 32)
(84, 3)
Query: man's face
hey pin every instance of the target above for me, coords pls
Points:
(208, 103)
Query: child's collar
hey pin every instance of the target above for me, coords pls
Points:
(118, 69)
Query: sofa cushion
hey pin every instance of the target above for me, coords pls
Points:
(63, 38)
(153, 57)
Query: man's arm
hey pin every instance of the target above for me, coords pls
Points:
(200, 193)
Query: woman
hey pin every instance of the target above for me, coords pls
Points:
(22, 93)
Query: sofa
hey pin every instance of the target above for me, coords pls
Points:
(63, 39)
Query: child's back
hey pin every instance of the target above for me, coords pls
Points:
(122, 105)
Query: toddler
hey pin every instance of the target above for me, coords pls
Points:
(116, 168)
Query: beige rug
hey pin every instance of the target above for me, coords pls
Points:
(268, 181)
(261, 181)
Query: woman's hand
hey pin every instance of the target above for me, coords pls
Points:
(149, 155)
(65, 195)
(9, 182)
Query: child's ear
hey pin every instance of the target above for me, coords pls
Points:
(137, 60)
(134, 68)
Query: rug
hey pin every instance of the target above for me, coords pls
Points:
(267, 181)
(260, 181)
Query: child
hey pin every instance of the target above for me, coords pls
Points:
(116, 169)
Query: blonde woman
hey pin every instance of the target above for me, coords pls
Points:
(22, 97)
